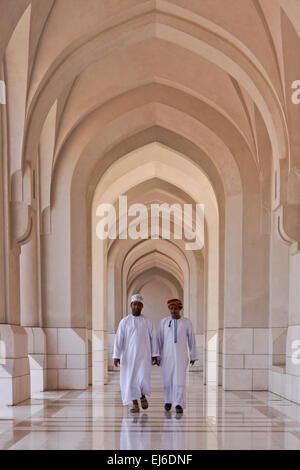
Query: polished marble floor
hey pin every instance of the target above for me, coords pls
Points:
(96, 419)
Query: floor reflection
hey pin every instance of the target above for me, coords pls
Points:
(135, 433)
(96, 419)
(173, 436)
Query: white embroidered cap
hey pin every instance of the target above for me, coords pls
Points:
(136, 298)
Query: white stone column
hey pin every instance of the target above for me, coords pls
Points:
(29, 280)
(99, 335)
(90, 357)
(99, 358)
(211, 336)
(14, 226)
(2, 233)
(290, 387)
(30, 310)
(211, 353)
(284, 372)
(14, 367)
(110, 350)
(220, 356)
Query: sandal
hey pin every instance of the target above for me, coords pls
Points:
(144, 403)
(135, 409)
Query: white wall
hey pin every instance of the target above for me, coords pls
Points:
(156, 294)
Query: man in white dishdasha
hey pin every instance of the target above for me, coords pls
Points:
(175, 337)
(135, 349)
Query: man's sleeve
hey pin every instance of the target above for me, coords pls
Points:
(192, 343)
(160, 338)
(119, 341)
(153, 340)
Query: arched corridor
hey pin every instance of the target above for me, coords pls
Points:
(136, 104)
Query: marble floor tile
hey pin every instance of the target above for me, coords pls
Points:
(96, 419)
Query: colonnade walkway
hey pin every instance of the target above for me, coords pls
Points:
(96, 419)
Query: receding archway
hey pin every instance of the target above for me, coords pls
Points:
(127, 172)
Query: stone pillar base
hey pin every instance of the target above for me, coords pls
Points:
(211, 356)
(90, 358)
(285, 380)
(37, 358)
(99, 357)
(110, 351)
(245, 358)
(14, 365)
(67, 358)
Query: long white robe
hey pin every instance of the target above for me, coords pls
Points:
(175, 357)
(135, 345)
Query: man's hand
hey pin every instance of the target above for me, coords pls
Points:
(116, 362)
(155, 361)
